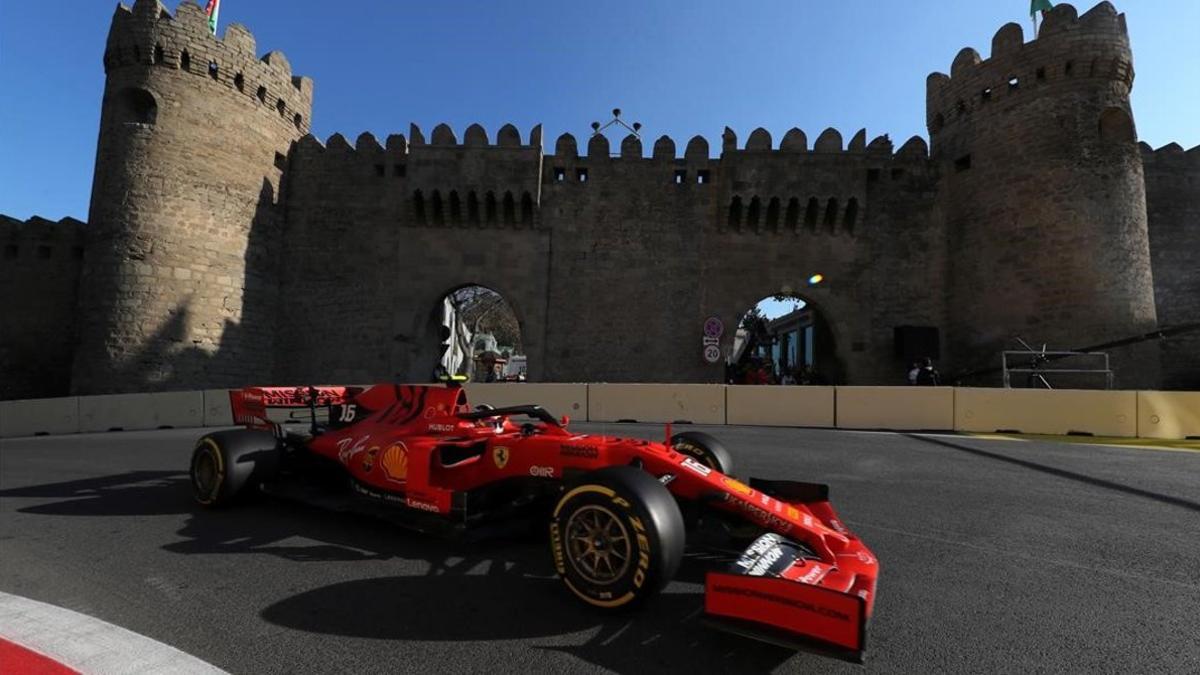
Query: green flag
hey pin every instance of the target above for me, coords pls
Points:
(212, 8)
(1036, 6)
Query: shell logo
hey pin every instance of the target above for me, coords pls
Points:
(395, 462)
(738, 486)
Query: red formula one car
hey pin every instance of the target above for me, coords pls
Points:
(618, 510)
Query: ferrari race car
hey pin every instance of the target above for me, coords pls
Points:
(618, 510)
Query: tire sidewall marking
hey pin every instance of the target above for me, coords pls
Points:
(637, 526)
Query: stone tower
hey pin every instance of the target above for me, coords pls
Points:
(179, 281)
(1043, 192)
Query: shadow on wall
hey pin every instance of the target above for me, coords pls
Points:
(189, 351)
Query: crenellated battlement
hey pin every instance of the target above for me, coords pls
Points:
(566, 147)
(1069, 49)
(1171, 154)
(149, 35)
(41, 239)
(759, 143)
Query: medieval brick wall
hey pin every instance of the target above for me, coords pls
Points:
(377, 236)
(1173, 203)
(1044, 196)
(227, 247)
(179, 286)
(39, 274)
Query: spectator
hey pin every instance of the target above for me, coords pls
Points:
(914, 369)
(928, 376)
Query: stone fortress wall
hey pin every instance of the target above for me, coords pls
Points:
(226, 246)
(39, 280)
(1173, 205)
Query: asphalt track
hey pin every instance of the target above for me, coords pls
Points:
(997, 556)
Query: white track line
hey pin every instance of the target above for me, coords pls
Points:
(90, 645)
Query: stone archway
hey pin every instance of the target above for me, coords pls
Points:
(784, 338)
(489, 327)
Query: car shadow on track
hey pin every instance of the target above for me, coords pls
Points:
(501, 588)
(497, 589)
(134, 493)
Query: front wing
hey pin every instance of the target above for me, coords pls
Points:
(780, 591)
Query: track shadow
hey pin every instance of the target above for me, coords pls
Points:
(503, 603)
(490, 590)
(1063, 473)
(493, 589)
(135, 493)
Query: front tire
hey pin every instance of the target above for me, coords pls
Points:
(705, 449)
(617, 537)
(227, 465)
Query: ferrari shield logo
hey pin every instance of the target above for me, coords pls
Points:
(500, 456)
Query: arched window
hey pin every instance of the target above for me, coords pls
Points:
(793, 214)
(510, 209)
(239, 81)
(262, 94)
(851, 215)
(455, 208)
(158, 54)
(281, 107)
(1116, 126)
(752, 213)
(213, 69)
(472, 208)
(418, 201)
(136, 106)
(526, 209)
(439, 218)
(298, 120)
(185, 60)
(735, 213)
(773, 214)
(831, 209)
(490, 207)
(810, 213)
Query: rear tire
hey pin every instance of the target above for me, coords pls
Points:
(228, 465)
(617, 537)
(705, 449)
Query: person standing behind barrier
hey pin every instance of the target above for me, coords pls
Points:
(928, 376)
(914, 369)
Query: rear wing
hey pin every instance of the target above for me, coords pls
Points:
(250, 405)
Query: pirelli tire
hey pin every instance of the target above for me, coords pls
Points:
(617, 537)
(705, 449)
(229, 465)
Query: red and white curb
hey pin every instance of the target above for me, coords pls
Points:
(39, 638)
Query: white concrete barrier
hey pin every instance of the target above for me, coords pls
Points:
(1044, 411)
(900, 408)
(695, 403)
(559, 399)
(141, 411)
(37, 416)
(1168, 414)
(217, 411)
(779, 406)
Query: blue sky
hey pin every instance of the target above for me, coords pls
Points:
(679, 68)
